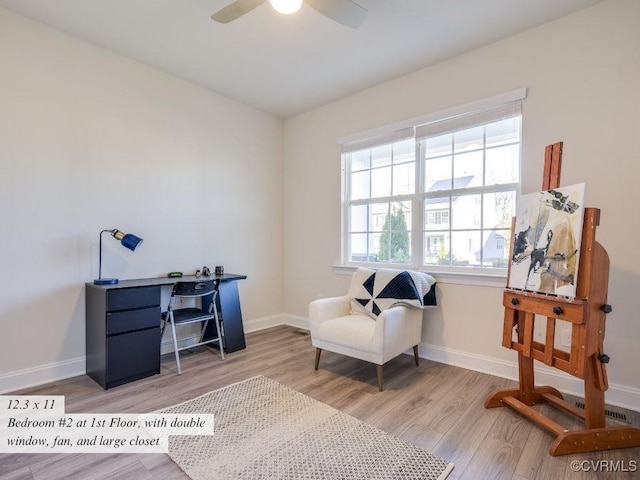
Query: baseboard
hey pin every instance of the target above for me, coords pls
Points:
(295, 321)
(258, 324)
(32, 377)
(275, 321)
(618, 395)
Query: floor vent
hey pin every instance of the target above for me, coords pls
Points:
(609, 413)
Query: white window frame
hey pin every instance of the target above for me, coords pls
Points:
(389, 134)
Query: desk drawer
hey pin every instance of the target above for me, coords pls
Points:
(133, 355)
(120, 322)
(126, 298)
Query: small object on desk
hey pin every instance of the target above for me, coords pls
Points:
(205, 271)
(219, 270)
(174, 274)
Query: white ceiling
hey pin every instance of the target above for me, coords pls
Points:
(286, 65)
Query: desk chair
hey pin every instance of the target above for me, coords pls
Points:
(184, 316)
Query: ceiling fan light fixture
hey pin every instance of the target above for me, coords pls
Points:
(286, 7)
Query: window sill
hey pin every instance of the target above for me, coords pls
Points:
(494, 280)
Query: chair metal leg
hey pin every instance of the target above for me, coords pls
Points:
(380, 383)
(175, 345)
(318, 352)
(415, 355)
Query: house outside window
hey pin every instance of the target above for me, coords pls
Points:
(434, 196)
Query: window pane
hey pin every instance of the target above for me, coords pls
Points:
(400, 247)
(395, 242)
(436, 249)
(404, 178)
(381, 156)
(360, 160)
(503, 165)
(360, 185)
(374, 247)
(465, 248)
(381, 182)
(499, 209)
(503, 132)
(465, 211)
(436, 213)
(404, 151)
(495, 248)
(437, 174)
(470, 139)
(358, 218)
(379, 212)
(358, 247)
(467, 170)
(438, 146)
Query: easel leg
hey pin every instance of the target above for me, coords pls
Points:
(525, 363)
(593, 397)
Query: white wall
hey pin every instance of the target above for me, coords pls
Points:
(582, 73)
(92, 140)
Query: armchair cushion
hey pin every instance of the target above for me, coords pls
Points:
(373, 291)
(356, 331)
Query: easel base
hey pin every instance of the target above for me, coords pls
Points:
(566, 442)
(595, 440)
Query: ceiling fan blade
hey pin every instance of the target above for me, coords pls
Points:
(235, 10)
(342, 11)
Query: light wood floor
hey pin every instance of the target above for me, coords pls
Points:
(435, 406)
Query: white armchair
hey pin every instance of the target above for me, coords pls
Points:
(371, 326)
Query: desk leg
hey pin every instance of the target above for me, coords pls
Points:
(228, 305)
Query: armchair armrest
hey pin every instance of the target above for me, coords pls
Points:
(328, 308)
(398, 329)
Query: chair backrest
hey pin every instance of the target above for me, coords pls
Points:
(195, 289)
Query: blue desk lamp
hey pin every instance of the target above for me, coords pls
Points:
(128, 240)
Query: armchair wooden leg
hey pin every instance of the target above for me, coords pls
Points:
(318, 352)
(379, 377)
(415, 355)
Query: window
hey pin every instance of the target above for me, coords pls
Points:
(435, 195)
(381, 183)
(471, 171)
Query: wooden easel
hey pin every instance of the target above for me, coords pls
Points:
(586, 314)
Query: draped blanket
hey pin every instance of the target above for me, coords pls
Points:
(373, 291)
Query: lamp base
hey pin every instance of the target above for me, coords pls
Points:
(105, 281)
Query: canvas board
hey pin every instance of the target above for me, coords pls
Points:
(547, 240)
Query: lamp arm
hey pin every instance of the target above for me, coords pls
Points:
(100, 255)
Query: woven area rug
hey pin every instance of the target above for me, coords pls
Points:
(264, 430)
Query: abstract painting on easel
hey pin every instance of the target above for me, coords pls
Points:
(546, 241)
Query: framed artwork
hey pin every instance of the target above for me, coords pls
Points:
(546, 241)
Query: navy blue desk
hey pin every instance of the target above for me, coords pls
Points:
(123, 326)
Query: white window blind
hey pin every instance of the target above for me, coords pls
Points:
(469, 120)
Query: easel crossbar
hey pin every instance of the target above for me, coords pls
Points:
(534, 416)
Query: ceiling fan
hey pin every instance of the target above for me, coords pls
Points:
(345, 12)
